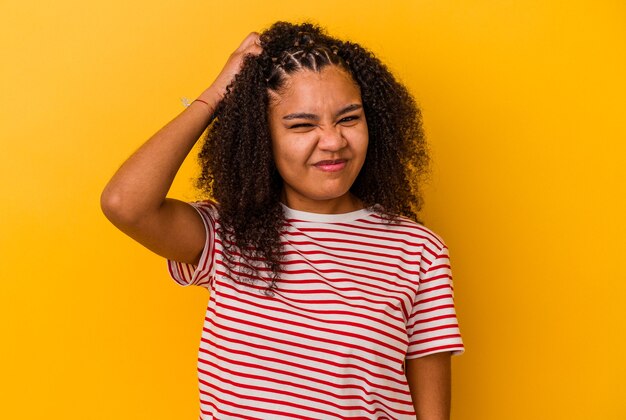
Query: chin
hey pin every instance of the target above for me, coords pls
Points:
(323, 191)
(329, 195)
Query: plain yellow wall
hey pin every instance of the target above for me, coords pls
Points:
(524, 106)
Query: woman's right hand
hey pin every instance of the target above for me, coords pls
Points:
(135, 200)
(250, 45)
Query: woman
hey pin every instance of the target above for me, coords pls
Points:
(327, 299)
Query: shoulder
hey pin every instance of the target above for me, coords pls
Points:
(205, 204)
(208, 209)
(412, 231)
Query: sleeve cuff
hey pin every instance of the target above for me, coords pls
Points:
(197, 275)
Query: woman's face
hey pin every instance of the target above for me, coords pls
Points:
(319, 139)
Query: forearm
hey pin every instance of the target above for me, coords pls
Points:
(141, 184)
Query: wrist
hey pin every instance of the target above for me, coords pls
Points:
(211, 96)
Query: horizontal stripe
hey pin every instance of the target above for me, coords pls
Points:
(280, 346)
(355, 298)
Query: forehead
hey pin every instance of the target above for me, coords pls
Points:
(331, 86)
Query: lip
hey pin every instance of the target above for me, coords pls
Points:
(331, 165)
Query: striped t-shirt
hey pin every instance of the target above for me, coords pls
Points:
(356, 296)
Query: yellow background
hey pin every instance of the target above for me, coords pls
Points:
(524, 106)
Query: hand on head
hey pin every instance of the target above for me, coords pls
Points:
(250, 45)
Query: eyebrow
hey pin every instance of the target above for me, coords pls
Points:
(307, 116)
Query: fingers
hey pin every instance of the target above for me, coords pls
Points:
(250, 43)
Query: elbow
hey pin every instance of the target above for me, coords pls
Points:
(116, 209)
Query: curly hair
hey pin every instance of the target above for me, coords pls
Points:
(237, 166)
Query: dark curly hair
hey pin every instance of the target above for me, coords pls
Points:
(238, 169)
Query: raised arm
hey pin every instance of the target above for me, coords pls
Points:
(134, 200)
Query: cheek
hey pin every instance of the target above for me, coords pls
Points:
(296, 150)
(286, 157)
(361, 142)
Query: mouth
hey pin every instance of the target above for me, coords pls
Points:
(331, 165)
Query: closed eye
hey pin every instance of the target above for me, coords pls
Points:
(301, 125)
(349, 119)
(345, 120)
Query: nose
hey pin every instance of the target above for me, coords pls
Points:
(332, 139)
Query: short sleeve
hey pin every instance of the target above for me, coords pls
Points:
(432, 326)
(198, 275)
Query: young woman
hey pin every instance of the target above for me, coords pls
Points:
(328, 299)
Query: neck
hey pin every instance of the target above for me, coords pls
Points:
(344, 204)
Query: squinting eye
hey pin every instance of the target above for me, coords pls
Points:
(301, 125)
(350, 118)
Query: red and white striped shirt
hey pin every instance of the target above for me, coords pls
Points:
(356, 296)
